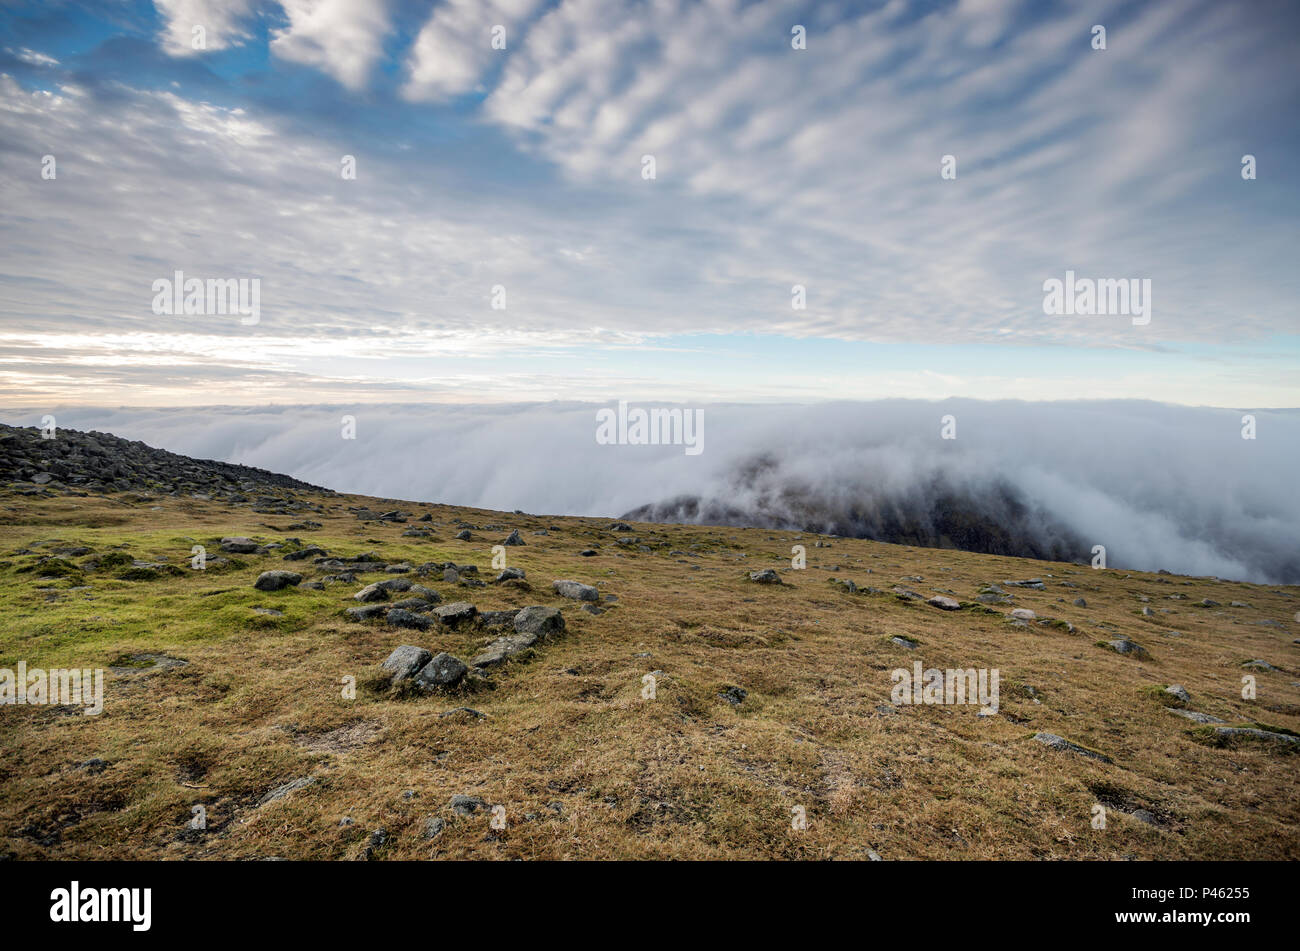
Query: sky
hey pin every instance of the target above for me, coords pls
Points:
(522, 169)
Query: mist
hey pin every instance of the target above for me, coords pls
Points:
(1160, 486)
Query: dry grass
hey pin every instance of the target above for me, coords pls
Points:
(586, 768)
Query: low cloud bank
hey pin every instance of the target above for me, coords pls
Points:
(1160, 486)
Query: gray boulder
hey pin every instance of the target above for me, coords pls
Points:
(404, 662)
(538, 620)
(766, 576)
(238, 545)
(944, 604)
(509, 574)
(513, 538)
(275, 580)
(503, 648)
(441, 672)
(400, 617)
(456, 613)
(576, 590)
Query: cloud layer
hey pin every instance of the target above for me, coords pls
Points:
(1159, 486)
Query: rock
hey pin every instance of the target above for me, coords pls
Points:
(290, 787)
(238, 545)
(1061, 743)
(497, 618)
(1147, 612)
(1231, 732)
(428, 594)
(442, 672)
(1023, 614)
(467, 805)
(371, 592)
(1207, 603)
(1179, 691)
(1195, 717)
(542, 621)
(405, 662)
(944, 604)
(588, 553)
(275, 580)
(734, 695)
(1035, 583)
(513, 539)
(303, 553)
(433, 826)
(1258, 665)
(367, 613)
(450, 575)
(509, 574)
(904, 642)
(269, 612)
(463, 535)
(400, 617)
(766, 576)
(456, 613)
(504, 648)
(1122, 645)
(1080, 603)
(905, 594)
(575, 590)
(620, 527)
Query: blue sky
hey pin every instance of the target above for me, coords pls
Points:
(522, 167)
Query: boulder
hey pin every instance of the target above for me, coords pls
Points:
(576, 590)
(944, 604)
(238, 545)
(400, 617)
(538, 620)
(509, 574)
(456, 613)
(503, 648)
(513, 539)
(404, 662)
(766, 576)
(275, 580)
(441, 672)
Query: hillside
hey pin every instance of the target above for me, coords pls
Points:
(770, 700)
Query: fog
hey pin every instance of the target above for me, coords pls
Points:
(1159, 486)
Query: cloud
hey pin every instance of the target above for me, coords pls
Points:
(1159, 486)
(222, 21)
(341, 37)
(454, 51)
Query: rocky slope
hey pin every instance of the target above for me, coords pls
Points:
(295, 673)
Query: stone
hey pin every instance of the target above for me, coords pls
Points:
(463, 535)
(467, 805)
(238, 545)
(734, 695)
(766, 576)
(275, 580)
(513, 539)
(508, 574)
(504, 648)
(944, 603)
(400, 617)
(1055, 742)
(1180, 692)
(405, 662)
(1080, 603)
(309, 552)
(371, 592)
(576, 590)
(456, 613)
(1023, 614)
(538, 620)
(441, 672)
(369, 612)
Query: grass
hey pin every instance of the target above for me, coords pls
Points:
(584, 766)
